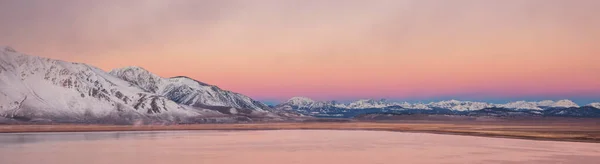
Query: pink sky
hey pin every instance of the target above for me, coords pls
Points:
(277, 49)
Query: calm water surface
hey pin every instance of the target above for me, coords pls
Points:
(283, 147)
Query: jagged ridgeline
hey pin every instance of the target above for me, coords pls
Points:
(560, 108)
(45, 90)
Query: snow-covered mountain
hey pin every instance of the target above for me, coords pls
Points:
(42, 89)
(187, 91)
(417, 106)
(460, 105)
(538, 105)
(307, 104)
(594, 105)
(520, 105)
(558, 104)
(33, 87)
(369, 103)
(300, 102)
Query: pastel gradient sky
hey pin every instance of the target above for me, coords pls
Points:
(271, 50)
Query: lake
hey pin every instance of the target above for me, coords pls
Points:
(283, 147)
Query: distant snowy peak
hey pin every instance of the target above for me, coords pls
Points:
(7, 49)
(407, 105)
(545, 103)
(44, 88)
(539, 105)
(595, 105)
(456, 105)
(300, 101)
(383, 103)
(461, 105)
(564, 104)
(521, 105)
(307, 103)
(369, 103)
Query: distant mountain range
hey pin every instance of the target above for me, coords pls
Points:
(45, 90)
(565, 108)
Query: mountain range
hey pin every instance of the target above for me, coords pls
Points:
(567, 108)
(37, 89)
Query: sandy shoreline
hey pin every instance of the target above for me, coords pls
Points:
(533, 132)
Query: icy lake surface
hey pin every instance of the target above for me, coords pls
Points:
(283, 147)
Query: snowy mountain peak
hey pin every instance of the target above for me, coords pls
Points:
(565, 104)
(595, 105)
(332, 109)
(363, 101)
(416, 106)
(300, 101)
(369, 103)
(186, 91)
(131, 70)
(455, 105)
(307, 103)
(7, 49)
(522, 105)
(539, 105)
(460, 105)
(43, 88)
(546, 103)
(53, 89)
(450, 102)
